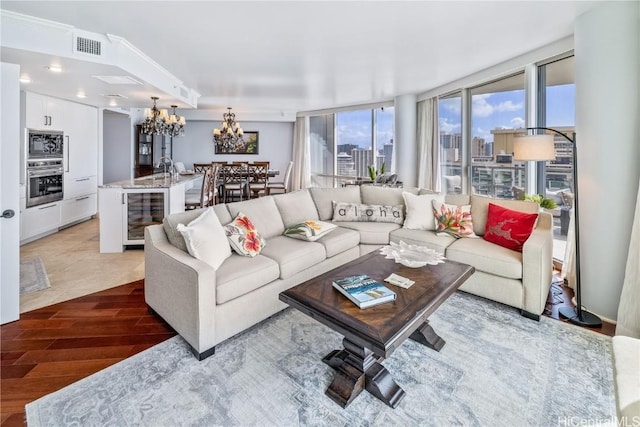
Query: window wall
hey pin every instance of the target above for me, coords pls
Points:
(451, 147)
(344, 144)
(497, 110)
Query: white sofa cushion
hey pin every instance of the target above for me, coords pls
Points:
(263, 212)
(480, 209)
(372, 233)
(296, 207)
(422, 237)
(352, 212)
(339, 240)
(205, 239)
(420, 211)
(310, 230)
(292, 255)
(239, 275)
(323, 198)
(487, 257)
(375, 195)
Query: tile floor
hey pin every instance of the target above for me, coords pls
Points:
(76, 267)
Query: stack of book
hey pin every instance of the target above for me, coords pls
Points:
(364, 291)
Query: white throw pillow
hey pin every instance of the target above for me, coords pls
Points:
(420, 211)
(205, 239)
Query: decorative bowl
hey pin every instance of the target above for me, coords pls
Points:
(412, 256)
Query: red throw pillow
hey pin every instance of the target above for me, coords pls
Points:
(508, 228)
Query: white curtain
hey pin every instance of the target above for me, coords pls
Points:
(301, 171)
(428, 145)
(569, 262)
(629, 309)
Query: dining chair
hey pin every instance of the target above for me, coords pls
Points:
(208, 195)
(200, 167)
(233, 177)
(258, 179)
(281, 186)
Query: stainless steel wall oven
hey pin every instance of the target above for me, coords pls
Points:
(44, 181)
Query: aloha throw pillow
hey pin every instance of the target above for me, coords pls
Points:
(420, 211)
(453, 220)
(508, 228)
(310, 230)
(203, 237)
(355, 212)
(243, 236)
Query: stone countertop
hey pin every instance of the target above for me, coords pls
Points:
(159, 180)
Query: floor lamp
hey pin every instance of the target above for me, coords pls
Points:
(542, 148)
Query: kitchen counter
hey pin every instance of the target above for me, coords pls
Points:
(158, 180)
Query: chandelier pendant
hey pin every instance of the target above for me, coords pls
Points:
(158, 122)
(229, 138)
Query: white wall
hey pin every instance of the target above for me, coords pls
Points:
(9, 196)
(607, 55)
(196, 146)
(117, 158)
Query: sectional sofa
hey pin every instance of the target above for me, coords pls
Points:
(206, 305)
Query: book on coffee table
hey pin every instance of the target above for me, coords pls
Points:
(364, 291)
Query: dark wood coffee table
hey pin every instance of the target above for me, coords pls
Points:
(372, 334)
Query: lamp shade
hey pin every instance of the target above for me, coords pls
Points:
(534, 148)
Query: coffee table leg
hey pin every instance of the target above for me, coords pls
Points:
(427, 336)
(357, 368)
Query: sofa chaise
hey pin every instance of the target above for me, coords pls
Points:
(206, 305)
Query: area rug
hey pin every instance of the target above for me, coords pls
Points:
(33, 276)
(496, 369)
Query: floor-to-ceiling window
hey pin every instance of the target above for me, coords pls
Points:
(497, 110)
(451, 147)
(556, 110)
(346, 143)
(321, 136)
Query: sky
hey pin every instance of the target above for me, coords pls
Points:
(506, 110)
(489, 111)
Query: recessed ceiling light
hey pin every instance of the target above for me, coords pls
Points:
(113, 103)
(25, 79)
(54, 68)
(81, 94)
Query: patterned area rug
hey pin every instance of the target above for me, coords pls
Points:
(496, 369)
(33, 276)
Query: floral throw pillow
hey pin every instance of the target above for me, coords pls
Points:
(453, 220)
(310, 230)
(508, 228)
(243, 236)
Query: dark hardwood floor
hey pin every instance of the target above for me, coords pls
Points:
(54, 346)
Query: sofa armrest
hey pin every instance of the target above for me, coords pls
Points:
(180, 288)
(537, 265)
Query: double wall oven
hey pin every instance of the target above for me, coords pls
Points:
(44, 167)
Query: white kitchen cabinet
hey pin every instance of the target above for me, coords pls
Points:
(77, 208)
(40, 220)
(44, 112)
(81, 141)
(74, 187)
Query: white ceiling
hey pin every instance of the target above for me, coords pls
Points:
(298, 56)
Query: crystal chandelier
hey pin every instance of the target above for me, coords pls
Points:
(175, 124)
(154, 120)
(229, 138)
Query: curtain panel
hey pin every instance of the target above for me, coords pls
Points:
(301, 171)
(428, 145)
(628, 322)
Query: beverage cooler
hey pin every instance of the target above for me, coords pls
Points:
(142, 207)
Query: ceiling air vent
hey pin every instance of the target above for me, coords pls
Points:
(85, 45)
